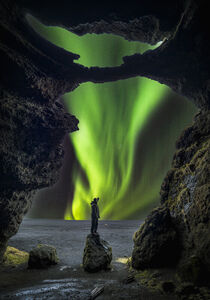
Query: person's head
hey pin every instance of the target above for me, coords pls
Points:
(94, 201)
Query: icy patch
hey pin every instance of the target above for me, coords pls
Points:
(190, 182)
(187, 207)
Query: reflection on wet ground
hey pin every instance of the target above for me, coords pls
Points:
(67, 280)
(54, 289)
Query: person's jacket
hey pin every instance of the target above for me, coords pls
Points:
(94, 211)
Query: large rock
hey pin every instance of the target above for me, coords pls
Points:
(156, 243)
(186, 192)
(33, 121)
(97, 254)
(42, 256)
(185, 199)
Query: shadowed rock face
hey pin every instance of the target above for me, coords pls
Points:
(156, 242)
(97, 254)
(186, 192)
(33, 121)
(42, 256)
(185, 195)
(36, 74)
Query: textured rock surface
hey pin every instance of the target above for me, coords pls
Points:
(185, 193)
(14, 257)
(149, 22)
(156, 242)
(33, 121)
(42, 256)
(182, 25)
(97, 254)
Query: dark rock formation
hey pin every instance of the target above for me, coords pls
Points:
(185, 193)
(182, 25)
(189, 291)
(148, 22)
(42, 257)
(33, 121)
(156, 242)
(97, 254)
(35, 74)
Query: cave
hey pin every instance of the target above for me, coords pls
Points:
(35, 75)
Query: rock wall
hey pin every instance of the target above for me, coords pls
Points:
(186, 192)
(33, 121)
(185, 195)
(31, 155)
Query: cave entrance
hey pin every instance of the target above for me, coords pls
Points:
(126, 139)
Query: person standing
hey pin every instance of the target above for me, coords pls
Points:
(94, 215)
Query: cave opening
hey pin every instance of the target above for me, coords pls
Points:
(127, 142)
(126, 139)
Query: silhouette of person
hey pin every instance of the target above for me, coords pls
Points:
(94, 215)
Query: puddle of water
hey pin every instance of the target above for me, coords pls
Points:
(53, 289)
(70, 288)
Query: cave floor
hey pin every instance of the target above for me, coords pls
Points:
(67, 280)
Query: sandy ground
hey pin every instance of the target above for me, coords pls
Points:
(67, 280)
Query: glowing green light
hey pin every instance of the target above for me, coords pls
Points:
(112, 117)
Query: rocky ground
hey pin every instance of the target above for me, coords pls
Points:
(68, 280)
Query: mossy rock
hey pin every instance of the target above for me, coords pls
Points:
(150, 279)
(97, 254)
(14, 257)
(42, 257)
(156, 243)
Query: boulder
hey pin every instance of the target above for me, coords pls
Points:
(97, 254)
(156, 242)
(14, 257)
(42, 256)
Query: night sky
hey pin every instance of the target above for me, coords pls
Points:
(126, 140)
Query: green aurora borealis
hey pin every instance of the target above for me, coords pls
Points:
(119, 159)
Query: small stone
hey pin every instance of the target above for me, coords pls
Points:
(97, 254)
(42, 256)
(14, 257)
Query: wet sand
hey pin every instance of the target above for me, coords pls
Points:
(67, 280)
